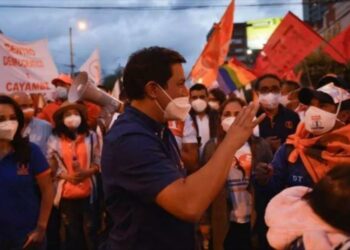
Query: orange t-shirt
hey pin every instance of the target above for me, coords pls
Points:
(76, 149)
(93, 112)
(48, 111)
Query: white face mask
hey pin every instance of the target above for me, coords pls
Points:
(8, 129)
(199, 105)
(177, 109)
(72, 121)
(284, 100)
(214, 105)
(228, 121)
(61, 93)
(270, 100)
(318, 121)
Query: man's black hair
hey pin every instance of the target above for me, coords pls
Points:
(291, 84)
(199, 87)
(149, 64)
(218, 94)
(345, 105)
(326, 79)
(258, 81)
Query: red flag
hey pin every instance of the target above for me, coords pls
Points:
(206, 68)
(339, 47)
(288, 45)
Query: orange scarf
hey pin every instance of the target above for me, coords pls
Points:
(322, 153)
(78, 148)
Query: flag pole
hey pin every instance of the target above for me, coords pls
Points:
(307, 72)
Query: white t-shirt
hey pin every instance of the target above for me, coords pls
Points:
(237, 182)
(184, 132)
(114, 118)
(203, 131)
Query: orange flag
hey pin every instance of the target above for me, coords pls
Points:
(206, 68)
(290, 43)
(339, 47)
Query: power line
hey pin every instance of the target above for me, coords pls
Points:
(161, 7)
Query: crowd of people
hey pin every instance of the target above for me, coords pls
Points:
(178, 169)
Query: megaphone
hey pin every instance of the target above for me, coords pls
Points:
(83, 89)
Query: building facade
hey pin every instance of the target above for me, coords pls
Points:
(336, 19)
(327, 17)
(239, 46)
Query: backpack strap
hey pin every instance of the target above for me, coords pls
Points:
(195, 124)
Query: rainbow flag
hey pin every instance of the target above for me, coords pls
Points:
(222, 83)
(225, 79)
(233, 75)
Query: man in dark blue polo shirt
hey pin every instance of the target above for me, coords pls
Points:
(275, 128)
(152, 203)
(279, 122)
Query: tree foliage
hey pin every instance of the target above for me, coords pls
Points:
(317, 65)
(109, 80)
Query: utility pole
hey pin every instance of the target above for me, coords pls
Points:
(71, 52)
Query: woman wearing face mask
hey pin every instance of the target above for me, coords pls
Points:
(25, 184)
(74, 153)
(37, 130)
(320, 143)
(240, 206)
(216, 98)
